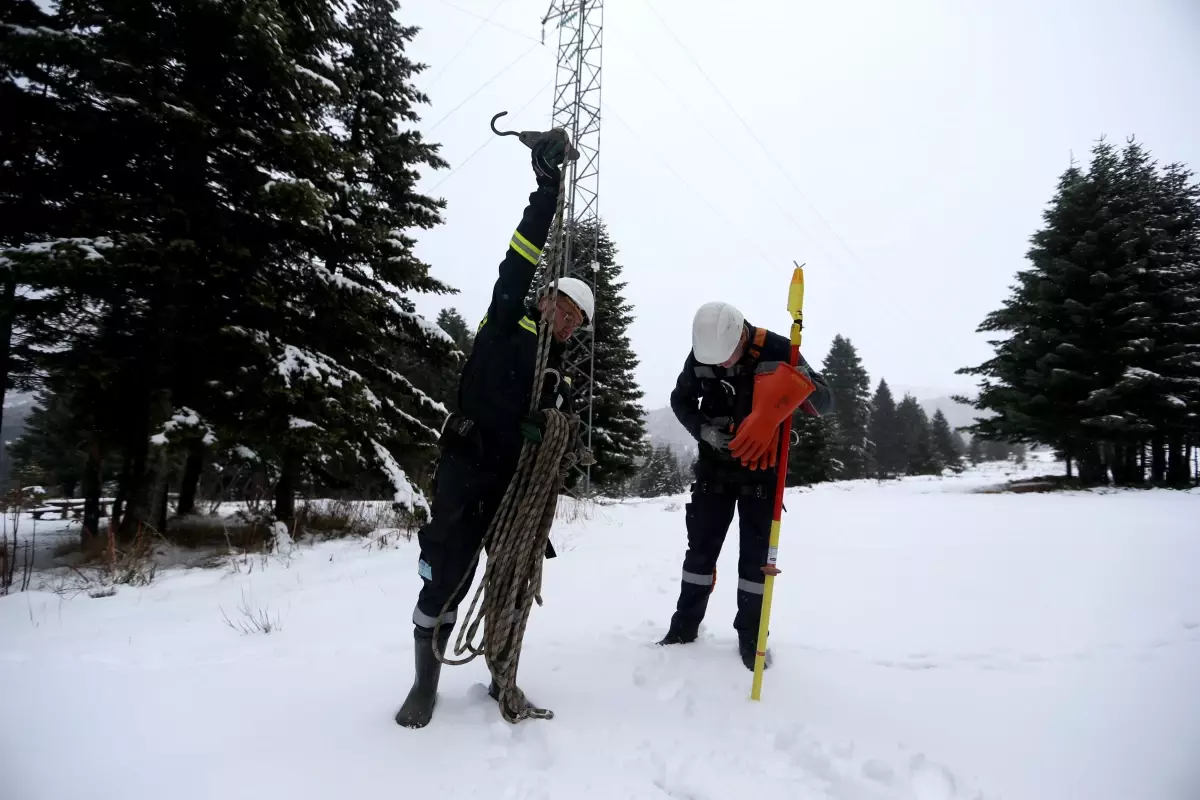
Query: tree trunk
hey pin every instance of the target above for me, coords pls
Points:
(1177, 465)
(191, 478)
(161, 504)
(7, 314)
(122, 487)
(1158, 459)
(137, 495)
(285, 490)
(1126, 470)
(1092, 471)
(92, 481)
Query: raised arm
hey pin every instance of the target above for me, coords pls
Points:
(525, 247)
(521, 260)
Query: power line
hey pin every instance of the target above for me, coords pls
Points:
(465, 44)
(486, 84)
(698, 120)
(663, 162)
(749, 130)
(491, 137)
(488, 21)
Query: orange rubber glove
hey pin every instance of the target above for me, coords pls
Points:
(776, 396)
(771, 457)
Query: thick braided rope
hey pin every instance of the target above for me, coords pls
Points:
(518, 534)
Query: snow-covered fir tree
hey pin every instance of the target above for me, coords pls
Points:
(946, 447)
(618, 418)
(888, 457)
(238, 250)
(844, 372)
(809, 459)
(1103, 327)
(916, 438)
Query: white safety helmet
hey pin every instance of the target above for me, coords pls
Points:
(716, 332)
(581, 294)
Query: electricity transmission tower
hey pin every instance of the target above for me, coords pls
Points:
(576, 110)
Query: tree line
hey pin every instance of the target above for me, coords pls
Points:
(1100, 350)
(868, 435)
(208, 265)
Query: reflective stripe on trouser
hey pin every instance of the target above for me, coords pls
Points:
(423, 620)
(708, 518)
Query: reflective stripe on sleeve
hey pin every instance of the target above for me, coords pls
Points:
(526, 248)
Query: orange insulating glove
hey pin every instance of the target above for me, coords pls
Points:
(776, 396)
(771, 457)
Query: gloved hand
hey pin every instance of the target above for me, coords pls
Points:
(548, 156)
(770, 457)
(716, 437)
(532, 426)
(776, 396)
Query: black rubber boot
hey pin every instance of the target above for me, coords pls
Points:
(748, 649)
(678, 634)
(417, 710)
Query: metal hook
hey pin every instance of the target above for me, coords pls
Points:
(531, 138)
(502, 133)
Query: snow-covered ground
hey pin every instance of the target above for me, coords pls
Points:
(931, 642)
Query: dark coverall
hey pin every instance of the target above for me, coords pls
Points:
(481, 442)
(713, 395)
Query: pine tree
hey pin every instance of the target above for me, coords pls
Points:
(618, 418)
(452, 322)
(850, 384)
(888, 456)
(916, 437)
(996, 450)
(975, 451)
(1101, 326)
(809, 459)
(945, 446)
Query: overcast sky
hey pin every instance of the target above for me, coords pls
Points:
(908, 150)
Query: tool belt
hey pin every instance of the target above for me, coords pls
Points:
(723, 487)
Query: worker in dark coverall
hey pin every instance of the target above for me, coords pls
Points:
(713, 395)
(481, 442)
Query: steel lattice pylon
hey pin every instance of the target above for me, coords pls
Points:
(576, 109)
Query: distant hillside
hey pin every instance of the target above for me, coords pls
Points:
(957, 414)
(663, 428)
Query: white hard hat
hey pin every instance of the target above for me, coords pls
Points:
(579, 292)
(716, 332)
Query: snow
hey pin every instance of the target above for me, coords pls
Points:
(296, 423)
(321, 79)
(406, 495)
(430, 328)
(91, 247)
(423, 398)
(931, 642)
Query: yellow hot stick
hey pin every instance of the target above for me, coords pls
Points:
(796, 309)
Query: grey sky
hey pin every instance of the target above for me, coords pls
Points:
(912, 146)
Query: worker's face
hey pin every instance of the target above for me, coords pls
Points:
(563, 314)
